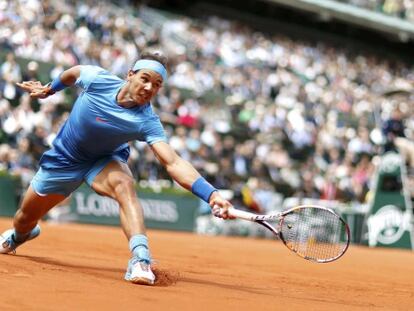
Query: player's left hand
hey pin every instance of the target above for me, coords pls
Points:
(219, 206)
(35, 89)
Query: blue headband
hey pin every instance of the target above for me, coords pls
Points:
(151, 65)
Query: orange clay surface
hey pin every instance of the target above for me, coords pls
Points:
(81, 267)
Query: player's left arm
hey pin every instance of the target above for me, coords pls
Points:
(188, 177)
(37, 90)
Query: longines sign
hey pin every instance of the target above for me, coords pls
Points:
(161, 210)
(99, 206)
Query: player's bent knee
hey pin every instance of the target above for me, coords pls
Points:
(122, 186)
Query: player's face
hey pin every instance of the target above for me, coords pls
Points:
(144, 85)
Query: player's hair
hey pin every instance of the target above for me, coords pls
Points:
(157, 56)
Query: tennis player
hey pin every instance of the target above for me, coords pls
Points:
(92, 146)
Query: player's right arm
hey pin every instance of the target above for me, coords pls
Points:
(65, 79)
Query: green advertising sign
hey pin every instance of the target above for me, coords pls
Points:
(389, 220)
(161, 210)
(8, 197)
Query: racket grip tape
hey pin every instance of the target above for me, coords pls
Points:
(235, 213)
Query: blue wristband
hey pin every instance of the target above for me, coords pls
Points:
(57, 85)
(203, 189)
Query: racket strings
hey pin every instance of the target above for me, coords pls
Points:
(315, 234)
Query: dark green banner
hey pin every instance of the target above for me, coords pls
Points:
(388, 222)
(172, 211)
(8, 195)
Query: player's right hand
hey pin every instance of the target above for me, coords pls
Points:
(219, 206)
(36, 89)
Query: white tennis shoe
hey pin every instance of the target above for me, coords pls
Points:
(139, 272)
(9, 245)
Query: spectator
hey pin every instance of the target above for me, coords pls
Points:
(392, 128)
(10, 74)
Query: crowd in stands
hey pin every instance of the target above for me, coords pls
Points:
(245, 108)
(398, 8)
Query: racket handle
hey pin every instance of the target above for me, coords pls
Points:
(239, 214)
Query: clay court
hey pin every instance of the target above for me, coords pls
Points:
(81, 267)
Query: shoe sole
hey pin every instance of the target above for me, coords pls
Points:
(141, 281)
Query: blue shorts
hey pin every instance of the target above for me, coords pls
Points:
(66, 179)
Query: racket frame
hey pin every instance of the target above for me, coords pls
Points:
(263, 220)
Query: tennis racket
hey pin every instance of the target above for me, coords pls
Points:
(313, 232)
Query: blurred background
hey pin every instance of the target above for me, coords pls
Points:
(276, 103)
